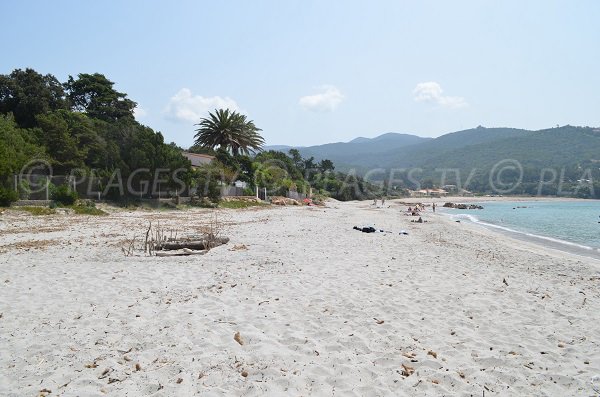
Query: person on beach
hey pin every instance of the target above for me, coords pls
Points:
(433, 206)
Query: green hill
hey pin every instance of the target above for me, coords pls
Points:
(567, 155)
(556, 147)
(360, 151)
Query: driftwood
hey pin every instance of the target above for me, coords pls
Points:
(160, 241)
(202, 244)
(181, 252)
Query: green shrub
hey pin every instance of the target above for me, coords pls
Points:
(208, 186)
(64, 195)
(87, 203)
(235, 204)
(7, 196)
(37, 210)
(87, 210)
(203, 203)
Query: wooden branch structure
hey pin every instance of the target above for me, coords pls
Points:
(159, 241)
(181, 252)
(201, 244)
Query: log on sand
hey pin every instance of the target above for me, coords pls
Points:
(201, 244)
(181, 252)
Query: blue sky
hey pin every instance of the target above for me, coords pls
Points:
(312, 72)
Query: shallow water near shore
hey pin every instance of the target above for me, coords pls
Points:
(572, 226)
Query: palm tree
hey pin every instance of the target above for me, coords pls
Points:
(229, 130)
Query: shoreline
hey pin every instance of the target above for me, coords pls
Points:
(483, 199)
(542, 241)
(539, 241)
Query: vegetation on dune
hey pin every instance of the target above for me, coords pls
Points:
(231, 139)
(84, 127)
(237, 204)
(63, 195)
(7, 197)
(87, 210)
(279, 173)
(77, 209)
(83, 124)
(37, 210)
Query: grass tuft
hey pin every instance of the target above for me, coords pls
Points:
(84, 210)
(236, 204)
(36, 210)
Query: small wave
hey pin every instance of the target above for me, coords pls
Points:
(532, 235)
(468, 217)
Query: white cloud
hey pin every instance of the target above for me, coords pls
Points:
(326, 101)
(139, 112)
(186, 107)
(432, 92)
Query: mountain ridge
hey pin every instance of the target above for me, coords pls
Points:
(475, 148)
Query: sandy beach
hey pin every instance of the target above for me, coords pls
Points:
(450, 309)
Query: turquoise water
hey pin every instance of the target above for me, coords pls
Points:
(569, 224)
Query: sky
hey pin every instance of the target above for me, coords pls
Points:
(313, 72)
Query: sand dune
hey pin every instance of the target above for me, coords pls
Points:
(321, 309)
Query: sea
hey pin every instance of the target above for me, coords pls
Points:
(572, 226)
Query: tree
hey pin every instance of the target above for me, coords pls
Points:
(60, 143)
(27, 93)
(238, 167)
(201, 150)
(427, 184)
(326, 165)
(95, 95)
(229, 130)
(296, 157)
(17, 148)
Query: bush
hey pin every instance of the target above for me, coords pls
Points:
(87, 210)
(87, 203)
(63, 195)
(203, 203)
(208, 186)
(37, 210)
(7, 197)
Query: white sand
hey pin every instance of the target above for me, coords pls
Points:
(77, 315)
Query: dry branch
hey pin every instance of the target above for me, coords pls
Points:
(203, 244)
(181, 252)
(160, 241)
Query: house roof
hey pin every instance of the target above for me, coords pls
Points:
(198, 159)
(200, 155)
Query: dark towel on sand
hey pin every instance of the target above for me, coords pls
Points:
(369, 229)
